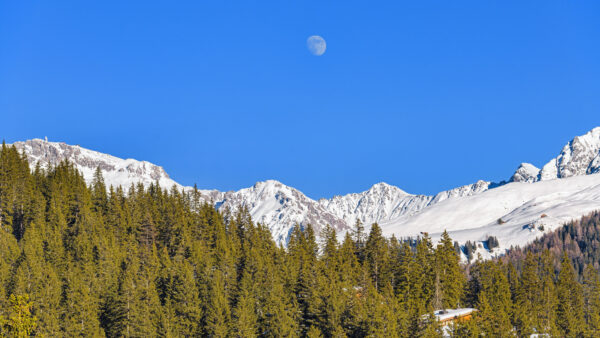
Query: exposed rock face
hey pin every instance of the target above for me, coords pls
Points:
(526, 173)
(280, 207)
(116, 171)
(465, 190)
(271, 203)
(382, 201)
(580, 156)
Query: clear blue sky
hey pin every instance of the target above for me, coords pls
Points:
(425, 95)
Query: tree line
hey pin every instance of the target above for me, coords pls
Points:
(79, 260)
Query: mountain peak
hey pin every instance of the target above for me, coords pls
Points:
(116, 171)
(580, 156)
(269, 183)
(526, 172)
(280, 207)
(382, 187)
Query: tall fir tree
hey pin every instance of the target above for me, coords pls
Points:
(569, 311)
(449, 278)
(591, 295)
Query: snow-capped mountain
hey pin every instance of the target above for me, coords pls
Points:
(526, 172)
(581, 156)
(516, 213)
(384, 202)
(279, 207)
(271, 202)
(534, 200)
(116, 171)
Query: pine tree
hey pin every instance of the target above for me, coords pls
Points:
(527, 298)
(547, 300)
(330, 247)
(99, 194)
(244, 316)
(359, 237)
(314, 332)
(422, 275)
(279, 318)
(218, 313)
(33, 276)
(155, 262)
(376, 255)
(591, 293)
(494, 301)
(449, 278)
(348, 263)
(379, 321)
(80, 307)
(20, 322)
(304, 277)
(570, 306)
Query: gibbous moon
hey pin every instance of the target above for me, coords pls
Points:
(316, 45)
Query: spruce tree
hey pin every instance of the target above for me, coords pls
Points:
(527, 298)
(244, 315)
(376, 255)
(359, 237)
(547, 300)
(20, 321)
(494, 301)
(218, 316)
(449, 278)
(591, 293)
(570, 306)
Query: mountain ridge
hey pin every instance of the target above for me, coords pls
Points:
(280, 207)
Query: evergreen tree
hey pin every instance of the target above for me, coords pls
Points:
(547, 300)
(20, 322)
(449, 279)
(591, 294)
(244, 314)
(570, 306)
(359, 237)
(494, 301)
(155, 262)
(527, 298)
(99, 194)
(80, 307)
(376, 255)
(218, 313)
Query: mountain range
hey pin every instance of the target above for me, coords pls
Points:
(533, 201)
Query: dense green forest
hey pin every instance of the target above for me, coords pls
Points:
(579, 239)
(78, 260)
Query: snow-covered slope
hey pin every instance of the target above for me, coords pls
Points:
(116, 171)
(534, 201)
(515, 213)
(526, 172)
(581, 156)
(272, 203)
(383, 202)
(279, 207)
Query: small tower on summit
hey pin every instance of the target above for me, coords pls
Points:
(46, 138)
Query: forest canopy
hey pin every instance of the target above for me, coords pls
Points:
(79, 260)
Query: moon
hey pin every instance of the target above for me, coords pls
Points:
(316, 45)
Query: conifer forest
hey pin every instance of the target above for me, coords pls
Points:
(80, 260)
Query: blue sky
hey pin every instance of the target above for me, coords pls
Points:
(425, 95)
